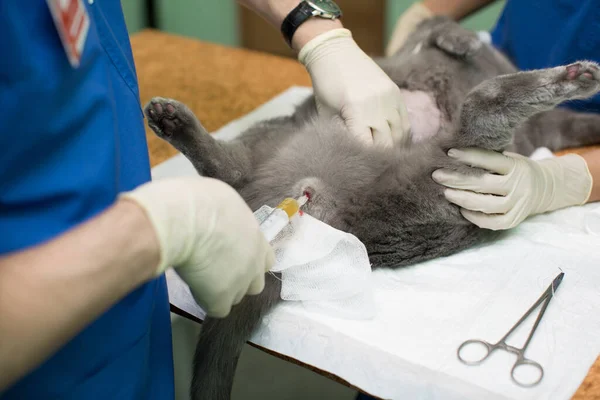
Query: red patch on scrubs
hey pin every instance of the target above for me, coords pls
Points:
(73, 23)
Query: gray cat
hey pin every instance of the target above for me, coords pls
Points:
(468, 94)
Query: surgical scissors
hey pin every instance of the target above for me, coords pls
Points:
(520, 353)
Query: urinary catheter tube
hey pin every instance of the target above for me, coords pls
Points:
(278, 219)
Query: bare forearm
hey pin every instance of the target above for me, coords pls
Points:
(51, 292)
(275, 11)
(592, 158)
(456, 10)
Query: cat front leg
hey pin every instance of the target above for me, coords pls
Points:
(495, 108)
(175, 123)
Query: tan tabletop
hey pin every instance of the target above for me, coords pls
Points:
(221, 84)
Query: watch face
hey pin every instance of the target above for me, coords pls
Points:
(326, 6)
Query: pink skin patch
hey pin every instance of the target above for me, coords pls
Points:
(423, 114)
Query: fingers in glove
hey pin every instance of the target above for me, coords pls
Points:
(257, 285)
(485, 203)
(485, 183)
(239, 297)
(357, 125)
(382, 134)
(395, 43)
(400, 126)
(486, 159)
(221, 309)
(493, 222)
(269, 257)
(362, 133)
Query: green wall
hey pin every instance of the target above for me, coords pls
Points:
(210, 20)
(484, 19)
(135, 14)
(216, 20)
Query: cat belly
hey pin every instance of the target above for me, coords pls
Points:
(423, 114)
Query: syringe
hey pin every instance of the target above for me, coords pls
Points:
(281, 216)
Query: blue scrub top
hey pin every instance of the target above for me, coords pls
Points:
(71, 139)
(546, 33)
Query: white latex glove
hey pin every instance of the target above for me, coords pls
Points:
(405, 25)
(350, 84)
(210, 236)
(516, 188)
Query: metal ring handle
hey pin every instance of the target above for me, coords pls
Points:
(524, 361)
(488, 347)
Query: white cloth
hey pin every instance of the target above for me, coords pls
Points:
(325, 269)
(423, 313)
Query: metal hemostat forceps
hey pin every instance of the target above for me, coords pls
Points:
(501, 344)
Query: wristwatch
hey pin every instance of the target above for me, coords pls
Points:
(303, 11)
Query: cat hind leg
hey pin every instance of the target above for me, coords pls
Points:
(495, 108)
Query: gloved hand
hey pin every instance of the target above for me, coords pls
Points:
(405, 25)
(210, 236)
(516, 186)
(350, 84)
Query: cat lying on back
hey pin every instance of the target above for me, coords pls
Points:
(469, 94)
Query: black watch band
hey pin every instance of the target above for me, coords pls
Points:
(294, 19)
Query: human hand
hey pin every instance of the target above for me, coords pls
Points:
(350, 84)
(405, 25)
(515, 186)
(210, 236)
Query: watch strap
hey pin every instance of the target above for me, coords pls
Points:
(294, 19)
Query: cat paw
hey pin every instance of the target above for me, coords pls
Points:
(583, 71)
(577, 80)
(166, 117)
(458, 44)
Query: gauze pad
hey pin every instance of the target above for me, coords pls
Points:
(326, 269)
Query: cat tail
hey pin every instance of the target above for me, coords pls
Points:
(221, 342)
(557, 129)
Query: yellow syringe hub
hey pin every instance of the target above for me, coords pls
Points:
(292, 206)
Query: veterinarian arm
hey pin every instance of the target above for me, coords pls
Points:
(50, 292)
(457, 9)
(346, 81)
(517, 187)
(592, 159)
(426, 9)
